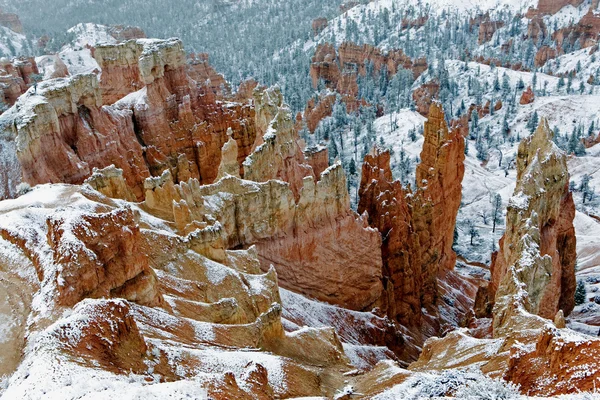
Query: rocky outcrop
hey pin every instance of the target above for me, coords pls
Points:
(550, 7)
(318, 159)
(554, 365)
(123, 32)
(544, 54)
(11, 21)
(278, 154)
(162, 121)
(329, 65)
(325, 66)
(424, 96)
(534, 268)
(417, 228)
(536, 29)
(527, 97)
(199, 69)
(78, 249)
(585, 31)
(15, 78)
(315, 112)
(310, 241)
(229, 158)
(319, 25)
(487, 29)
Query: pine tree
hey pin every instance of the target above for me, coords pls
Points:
(580, 293)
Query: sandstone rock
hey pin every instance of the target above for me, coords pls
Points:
(110, 182)
(534, 269)
(318, 159)
(544, 54)
(553, 366)
(424, 96)
(318, 25)
(229, 158)
(527, 97)
(15, 78)
(553, 6)
(11, 21)
(314, 113)
(67, 132)
(418, 229)
(536, 29)
(280, 155)
(487, 29)
(199, 69)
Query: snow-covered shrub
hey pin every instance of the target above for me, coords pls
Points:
(23, 188)
(486, 388)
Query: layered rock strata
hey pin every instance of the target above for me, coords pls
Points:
(537, 251)
(417, 228)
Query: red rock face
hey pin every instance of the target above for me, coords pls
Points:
(555, 366)
(204, 74)
(439, 186)
(11, 21)
(15, 78)
(314, 113)
(325, 66)
(89, 254)
(417, 230)
(487, 29)
(544, 54)
(388, 209)
(424, 96)
(171, 124)
(553, 6)
(318, 159)
(536, 29)
(318, 25)
(527, 97)
(329, 65)
(585, 31)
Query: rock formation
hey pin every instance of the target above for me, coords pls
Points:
(534, 268)
(544, 54)
(161, 121)
(318, 25)
(199, 69)
(329, 64)
(11, 21)
(487, 28)
(424, 96)
(550, 7)
(80, 249)
(533, 283)
(15, 78)
(527, 97)
(417, 228)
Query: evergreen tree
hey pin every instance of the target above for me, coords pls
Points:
(580, 293)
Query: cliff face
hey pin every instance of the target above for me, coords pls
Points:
(11, 21)
(77, 249)
(417, 229)
(487, 28)
(535, 265)
(533, 282)
(15, 78)
(553, 6)
(349, 59)
(310, 240)
(161, 121)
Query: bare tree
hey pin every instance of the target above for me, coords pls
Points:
(496, 211)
